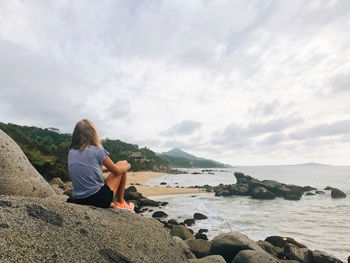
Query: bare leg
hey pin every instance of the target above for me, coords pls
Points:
(117, 184)
(121, 188)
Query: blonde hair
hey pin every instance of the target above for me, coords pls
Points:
(84, 135)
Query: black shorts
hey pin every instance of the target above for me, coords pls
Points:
(102, 198)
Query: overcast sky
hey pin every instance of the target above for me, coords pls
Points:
(242, 82)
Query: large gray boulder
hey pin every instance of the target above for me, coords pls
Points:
(57, 181)
(322, 257)
(199, 247)
(17, 175)
(230, 244)
(279, 241)
(252, 256)
(185, 248)
(336, 193)
(271, 249)
(182, 232)
(49, 230)
(293, 252)
(209, 259)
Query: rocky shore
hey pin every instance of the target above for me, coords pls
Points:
(233, 247)
(267, 189)
(38, 225)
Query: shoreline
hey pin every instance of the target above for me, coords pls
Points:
(140, 179)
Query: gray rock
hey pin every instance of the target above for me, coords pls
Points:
(185, 248)
(144, 201)
(209, 259)
(242, 189)
(203, 230)
(252, 256)
(57, 189)
(44, 214)
(112, 256)
(17, 175)
(262, 193)
(222, 192)
(182, 232)
(336, 193)
(199, 247)
(279, 241)
(201, 236)
(172, 222)
(323, 257)
(131, 189)
(271, 249)
(199, 216)
(159, 214)
(189, 222)
(50, 230)
(295, 253)
(57, 181)
(240, 177)
(132, 196)
(230, 244)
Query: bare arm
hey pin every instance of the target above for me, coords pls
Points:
(116, 168)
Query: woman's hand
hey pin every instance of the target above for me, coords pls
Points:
(116, 168)
(124, 166)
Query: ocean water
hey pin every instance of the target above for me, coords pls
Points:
(319, 221)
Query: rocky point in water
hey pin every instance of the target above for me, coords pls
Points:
(266, 189)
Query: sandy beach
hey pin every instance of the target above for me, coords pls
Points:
(141, 178)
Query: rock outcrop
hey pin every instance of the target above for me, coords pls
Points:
(200, 248)
(185, 248)
(265, 189)
(336, 193)
(252, 256)
(322, 257)
(230, 244)
(17, 175)
(209, 259)
(181, 232)
(49, 230)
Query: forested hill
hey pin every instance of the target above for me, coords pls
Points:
(47, 150)
(177, 158)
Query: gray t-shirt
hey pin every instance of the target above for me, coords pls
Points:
(85, 170)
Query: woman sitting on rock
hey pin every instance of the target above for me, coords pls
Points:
(87, 160)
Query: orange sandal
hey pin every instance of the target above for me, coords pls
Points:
(124, 206)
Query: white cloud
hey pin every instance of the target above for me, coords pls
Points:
(136, 68)
(186, 127)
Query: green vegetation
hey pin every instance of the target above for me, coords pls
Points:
(47, 150)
